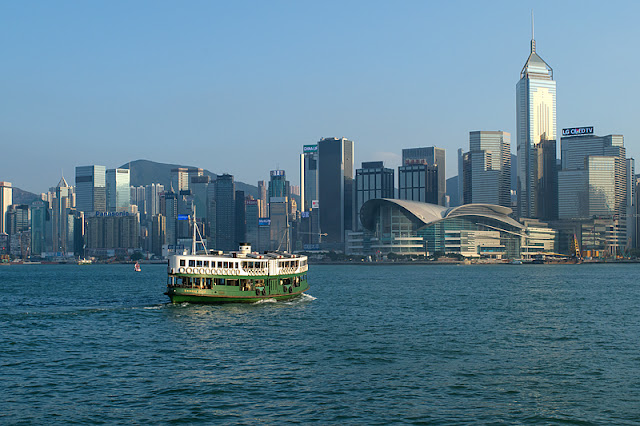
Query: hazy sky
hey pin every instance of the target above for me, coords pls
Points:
(240, 86)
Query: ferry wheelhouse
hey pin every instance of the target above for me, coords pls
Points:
(239, 276)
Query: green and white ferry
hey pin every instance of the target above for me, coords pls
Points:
(211, 276)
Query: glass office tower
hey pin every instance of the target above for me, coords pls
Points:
(118, 190)
(91, 191)
(335, 188)
(535, 122)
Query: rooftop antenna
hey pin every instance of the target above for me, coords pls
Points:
(533, 41)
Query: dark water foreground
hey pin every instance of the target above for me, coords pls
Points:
(370, 345)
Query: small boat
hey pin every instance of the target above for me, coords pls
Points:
(84, 262)
(516, 262)
(137, 267)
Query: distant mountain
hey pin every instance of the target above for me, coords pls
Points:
(145, 172)
(20, 196)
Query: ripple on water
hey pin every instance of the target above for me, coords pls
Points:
(367, 344)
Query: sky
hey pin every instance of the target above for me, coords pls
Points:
(239, 87)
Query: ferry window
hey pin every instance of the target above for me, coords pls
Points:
(235, 265)
(206, 263)
(208, 282)
(222, 281)
(245, 265)
(181, 262)
(199, 263)
(219, 264)
(225, 265)
(192, 262)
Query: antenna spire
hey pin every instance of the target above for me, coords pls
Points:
(533, 41)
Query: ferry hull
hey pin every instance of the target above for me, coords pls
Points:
(210, 297)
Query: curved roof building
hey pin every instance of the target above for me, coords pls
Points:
(412, 227)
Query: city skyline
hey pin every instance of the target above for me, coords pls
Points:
(113, 87)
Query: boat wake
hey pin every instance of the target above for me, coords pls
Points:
(261, 301)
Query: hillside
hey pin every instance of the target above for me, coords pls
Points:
(20, 196)
(145, 172)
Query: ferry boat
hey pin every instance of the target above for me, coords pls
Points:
(239, 276)
(136, 267)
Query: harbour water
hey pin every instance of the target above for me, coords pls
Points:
(369, 344)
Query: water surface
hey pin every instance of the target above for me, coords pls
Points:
(370, 344)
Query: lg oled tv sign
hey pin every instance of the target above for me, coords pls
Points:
(577, 131)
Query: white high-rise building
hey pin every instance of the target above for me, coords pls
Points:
(535, 122)
(6, 199)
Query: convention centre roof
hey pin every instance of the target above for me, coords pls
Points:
(431, 213)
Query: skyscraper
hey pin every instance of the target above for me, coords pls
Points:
(308, 176)
(118, 190)
(535, 122)
(418, 181)
(593, 179)
(262, 196)
(40, 222)
(335, 188)
(225, 213)
(432, 156)
(373, 180)
(490, 168)
(6, 199)
(91, 191)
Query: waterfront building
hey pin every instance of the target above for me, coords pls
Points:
(335, 190)
(158, 230)
(631, 220)
(262, 196)
(180, 179)
(112, 234)
(18, 218)
(118, 190)
(240, 218)
(6, 199)
(91, 191)
(138, 198)
(40, 222)
(418, 181)
(62, 221)
(308, 176)
(373, 180)
(186, 217)
(488, 171)
(538, 238)
(252, 214)
(171, 217)
(278, 184)
(279, 224)
(264, 234)
(199, 186)
(535, 122)
(153, 199)
(546, 180)
(432, 156)
(417, 228)
(225, 213)
(593, 179)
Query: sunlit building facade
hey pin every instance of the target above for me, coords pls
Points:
(535, 122)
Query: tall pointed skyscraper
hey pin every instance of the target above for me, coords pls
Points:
(535, 122)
